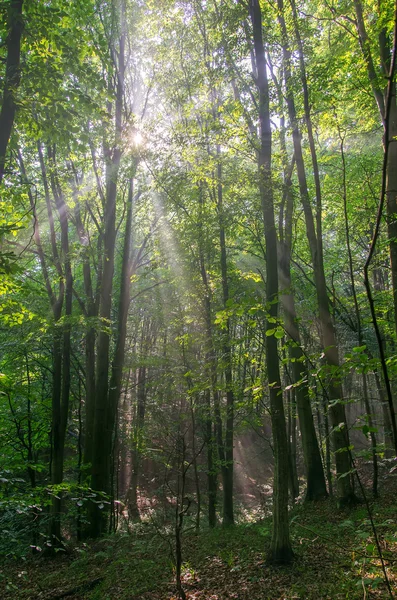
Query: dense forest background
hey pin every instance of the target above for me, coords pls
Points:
(198, 268)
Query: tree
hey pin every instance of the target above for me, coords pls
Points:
(281, 550)
(14, 30)
(189, 176)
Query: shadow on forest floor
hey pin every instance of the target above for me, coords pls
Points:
(335, 558)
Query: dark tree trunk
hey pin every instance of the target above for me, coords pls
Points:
(211, 472)
(281, 551)
(101, 441)
(227, 466)
(60, 385)
(62, 348)
(31, 470)
(358, 321)
(116, 378)
(211, 430)
(340, 435)
(102, 435)
(387, 105)
(293, 478)
(136, 451)
(387, 430)
(91, 311)
(316, 487)
(195, 469)
(12, 77)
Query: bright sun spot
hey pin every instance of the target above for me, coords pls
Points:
(137, 138)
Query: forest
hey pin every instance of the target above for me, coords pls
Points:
(198, 261)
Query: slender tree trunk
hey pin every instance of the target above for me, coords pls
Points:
(281, 551)
(391, 196)
(309, 127)
(372, 437)
(60, 382)
(56, 305)
(227, 468)
(195, 470)
(211, 431)
(180, 513)
(211, 472)
(102, 443)
(327, 443)
(358, 320)
(116, 378)
(316, 487)
(387, 429)
(102, 438)
(291, 409)
(63, 349)
(31, 471)
(90, 337)
(387, 105)
(340, 434)
(136, 452)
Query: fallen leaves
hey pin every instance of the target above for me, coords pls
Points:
(224, 564)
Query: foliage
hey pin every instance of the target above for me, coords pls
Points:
(143, 121)
(336, 559)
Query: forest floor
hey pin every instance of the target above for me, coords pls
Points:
(335, 558)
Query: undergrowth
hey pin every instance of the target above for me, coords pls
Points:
(335, 558)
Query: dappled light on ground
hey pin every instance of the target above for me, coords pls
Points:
(335, 559)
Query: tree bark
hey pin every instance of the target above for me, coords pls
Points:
(281, 550)
(136, 453)
(122, 316)
(12, 78)
(340, 436)
(91, 311)
(316, 487)
(213, 440)
(387, 105)
(61, 406)
(227, 467)
(100, 473)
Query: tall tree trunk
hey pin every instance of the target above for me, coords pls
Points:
(358, 321)
(30, 456)
(391, 196)
(316, 487)
(227, 467)
(100, 474)
(116, 378)
(281, 551)
(211, 430)
(291, 436)
(211, 470)
(56, 305)
(309, 127)
(59, 389)
(91, 311)
(61, 406)
(136, 451)
(195, 467)
(340, 436)
(100, 457)
(387, 105)
(61, 349)
(12, 77)
(387, 429)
